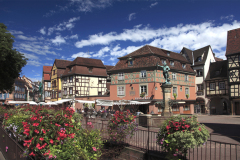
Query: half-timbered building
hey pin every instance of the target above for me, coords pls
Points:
(84, 79)
(200, 60)
(46, 82)
(137, 77)
(58, 69)
(233, 58)
(217, 88)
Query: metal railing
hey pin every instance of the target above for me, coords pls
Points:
(145, 139)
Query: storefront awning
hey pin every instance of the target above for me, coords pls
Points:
(84, 101)
(22, 102)
(63, 100)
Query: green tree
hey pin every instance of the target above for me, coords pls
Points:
(11, 61)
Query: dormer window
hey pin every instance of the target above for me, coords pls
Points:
(70, 69)
(183, 66)
(130, 61)
(143, 74)
(199, 59)
(172, 63)
(163, 61)
(168, 53)
(90, 69)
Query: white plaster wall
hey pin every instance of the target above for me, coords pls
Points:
(210, 58)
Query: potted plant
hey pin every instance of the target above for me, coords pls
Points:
(142, 94)
(179, 133)
(187, 95)
(175, 96)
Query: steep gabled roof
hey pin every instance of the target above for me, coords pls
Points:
(233, 42)
(47, 77)
(47, 69)
(199, 53)
(84, 70)
(108, 67)
(147, 49)
(89, 62)
(61, 64)
(220, 66)
(218, 59)
(189, 54)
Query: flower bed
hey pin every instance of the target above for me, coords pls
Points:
(53, 134)
(179, 133)
(121, 126)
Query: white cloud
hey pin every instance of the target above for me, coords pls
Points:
(192, 36)
(153, 4)
(63, 26)
(50, 59)
(26, 38)
(33, 71)
(58, 40)
(36, 79)
(131, 16)
(82, 54)
(37, 75)
(48, 64)
(101, 52)
(41, 48)
(33, 63)
(74, 36)
(15, 32)
(88, 5)
(230, 17)
(112, 58)
(43, 30)
(30, 56)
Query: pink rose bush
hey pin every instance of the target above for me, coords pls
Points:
(122, 125)
(53, 134)
(179, 133)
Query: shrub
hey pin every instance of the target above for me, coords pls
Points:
(121, 126)
(178, 134)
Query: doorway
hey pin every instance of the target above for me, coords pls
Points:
(237, 108)
(144, 108)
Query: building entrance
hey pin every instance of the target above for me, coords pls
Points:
(144, 108)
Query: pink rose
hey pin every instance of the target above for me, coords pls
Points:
(94, 148)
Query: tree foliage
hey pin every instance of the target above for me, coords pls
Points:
(11, 61)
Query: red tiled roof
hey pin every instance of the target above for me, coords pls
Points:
(60, 72)
(147, 49)
(80, 61)
(62, 63)
(47, 69)
(47, 77)
(83, 70)
(233, 42)
(108, 67)
(218, 59)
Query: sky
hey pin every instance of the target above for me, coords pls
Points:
(46, 30)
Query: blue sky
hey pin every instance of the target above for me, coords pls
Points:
(46, 30)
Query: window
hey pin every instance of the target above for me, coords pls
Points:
(143, 74)
(120, 76)
(181, 88)
(15, 88)
(121, 91)
(143, 89)
(65, 79)
(160, 109)
(100, 81)
(172, 63)
(221, 85)
(163, 61)
(65, 91)
(53, 72)
(199, 73)
(175, 108)
(173, 76)
(199, 59)
(217, 72)
(187, 108)
(186, 77)
(199, 87)
(90, 69)
(59, 94)
(49, 84)
(183, 66)
(130, 63)
(168, 53)
(71, 79)
(186, 91)
(70, 90)
(76, 79)
(70, 69)
(212, 86)
(99, 93)
(175, 90)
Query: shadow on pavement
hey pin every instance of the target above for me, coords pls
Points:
(229, 130)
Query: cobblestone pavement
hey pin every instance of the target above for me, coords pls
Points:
(225, 128)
